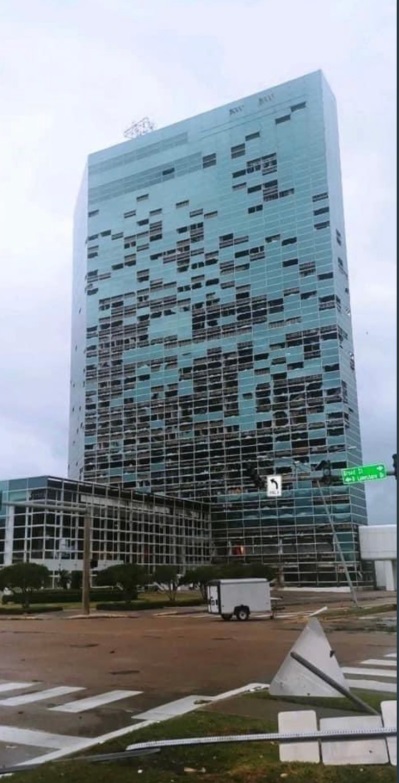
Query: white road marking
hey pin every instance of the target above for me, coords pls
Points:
(195, 615)
(378, 662)
(173, 708)
(359, 670)
(83, 744)
(253, 686)
(372, 685)
(37, 739)
(190, 703)
(80, 705)
(15, 686)
(319, 611)
(266, 616)
(51, 693)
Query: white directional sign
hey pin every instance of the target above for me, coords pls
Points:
(274, 486)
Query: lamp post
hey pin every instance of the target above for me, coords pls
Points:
(87, 528)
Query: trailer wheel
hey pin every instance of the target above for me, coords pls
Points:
(242, 613)
(227, 617)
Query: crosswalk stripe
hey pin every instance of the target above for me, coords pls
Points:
(365, 670)
(387, 670)
(172, 709)
(372, 685)
(27, 698)
(378, 662)
(36, 739)
(80, 705)
(15, 686)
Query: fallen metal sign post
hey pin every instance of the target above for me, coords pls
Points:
(311, 736)
(147, 748)
(120, 755)
(340, 688)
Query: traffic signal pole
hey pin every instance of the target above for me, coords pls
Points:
(338, 545)
(326, 467)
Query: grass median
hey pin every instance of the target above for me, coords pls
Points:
(145, 601)
(254, 762)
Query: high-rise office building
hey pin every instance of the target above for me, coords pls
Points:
(212, 325)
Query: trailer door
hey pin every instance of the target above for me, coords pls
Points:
(213, 599)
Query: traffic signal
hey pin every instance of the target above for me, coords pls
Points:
(394, 465)
(252, 473)
(325, 467)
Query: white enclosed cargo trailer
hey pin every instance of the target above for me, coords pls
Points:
(238, 597)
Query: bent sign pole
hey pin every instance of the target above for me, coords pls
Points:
(334, 535)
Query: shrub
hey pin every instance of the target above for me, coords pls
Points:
(23, 579)
(18, 610)
(126, 576)
(138, 606)
(76, 580)
(64, 596)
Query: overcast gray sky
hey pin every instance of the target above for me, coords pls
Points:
(75, 73)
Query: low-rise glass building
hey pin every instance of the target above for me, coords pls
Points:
(42, 521)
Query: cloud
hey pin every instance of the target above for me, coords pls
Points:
(73, 77)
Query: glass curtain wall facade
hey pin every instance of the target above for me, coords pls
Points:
(126, 526)
(212, 325)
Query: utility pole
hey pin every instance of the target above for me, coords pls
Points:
(86, 563)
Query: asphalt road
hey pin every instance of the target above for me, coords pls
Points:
(152, 659)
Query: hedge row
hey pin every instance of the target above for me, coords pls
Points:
(63, 596)
(138, 606)
(17, 610)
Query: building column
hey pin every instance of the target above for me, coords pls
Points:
(9, 536)
(389, 576)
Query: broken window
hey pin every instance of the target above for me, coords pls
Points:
(270, 190)
(319, 196)
(209, 160)
(238, 150)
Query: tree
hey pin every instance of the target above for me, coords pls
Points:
(246, 571)
(167, 579)
(63, 579)
(126, 576)
(76, 580)
(24, 578)
(258, 571)
(203, 574)
(200, 576)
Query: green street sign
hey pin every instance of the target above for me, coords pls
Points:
(363, 473)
